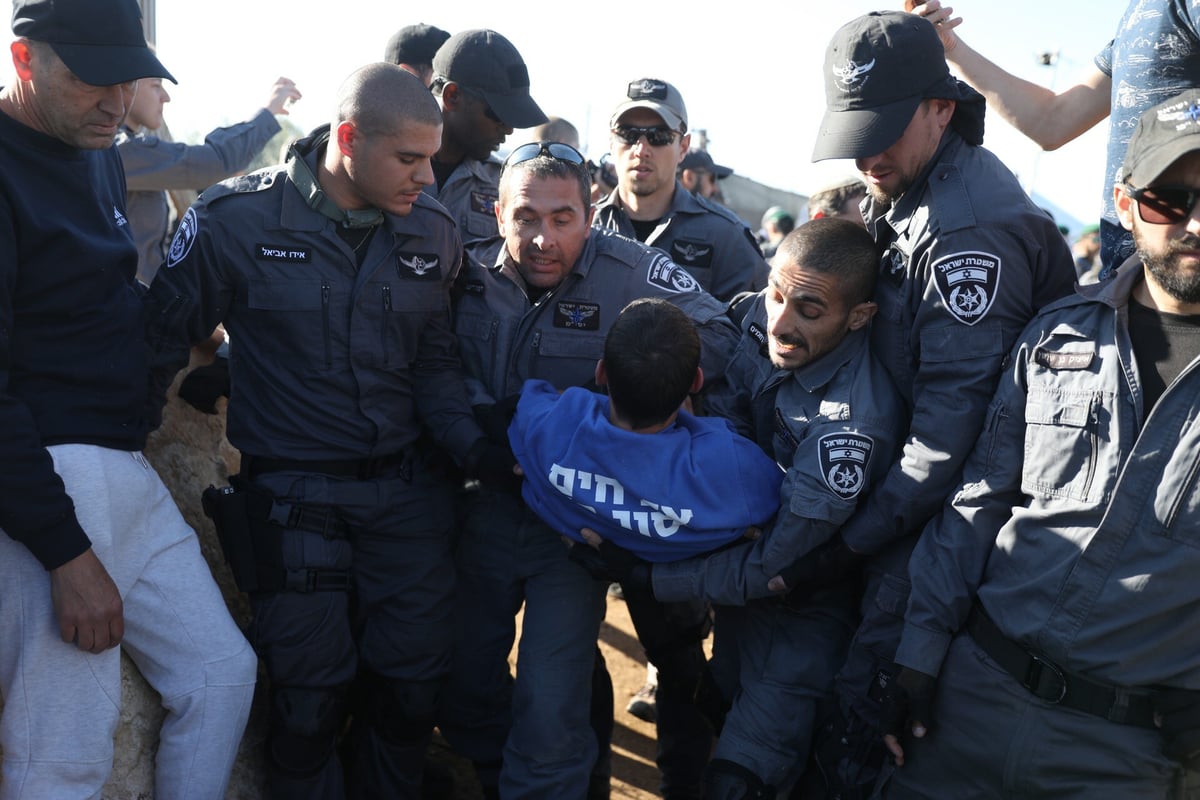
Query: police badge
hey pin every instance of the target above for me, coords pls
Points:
(967, 283)
(844, 458)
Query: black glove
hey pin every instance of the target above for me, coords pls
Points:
(614, 564)
(495, 418)
(821, 567)
(909, 699)
(203, 385)
(1178, 711)
(492, 465)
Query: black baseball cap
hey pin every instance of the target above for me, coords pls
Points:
(414, 44)
(485, 61)
(878, 69)
(101, 41)
(701, 160)
(1164, 134)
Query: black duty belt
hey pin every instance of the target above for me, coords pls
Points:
(359, 468)
(1050, 682)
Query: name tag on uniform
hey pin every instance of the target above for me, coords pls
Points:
(282, 252)
(423, 266)
(577, 316)
(759, 335)
(1063, 361)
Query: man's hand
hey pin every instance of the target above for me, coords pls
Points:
(88, 606)
(202, 386)
(610, 562)
(283, 94)
(494, 466)
(1177, 712)
(908, 702)
(940, 17)
(823, 566)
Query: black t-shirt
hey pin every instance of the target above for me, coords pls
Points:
(642, 228)
(1163, 344)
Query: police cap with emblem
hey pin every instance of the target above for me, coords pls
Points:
(1164, 134)
(660, 97)
(100, 41)
(485, 61)
(878, 68)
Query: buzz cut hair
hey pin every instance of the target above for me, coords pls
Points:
(835, 247)
(379, 97)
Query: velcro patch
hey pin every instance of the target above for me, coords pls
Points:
(484, 203)
(273, 252)
(692, 254)
(473, 286)
(423, 266)
(968, 283)
(1064, 361)
(666, 274)
(185, 237)
(844, 458)
(578, 316)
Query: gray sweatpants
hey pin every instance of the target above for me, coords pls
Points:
(61, 704)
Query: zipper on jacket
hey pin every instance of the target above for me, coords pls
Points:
(1094, 439)
(387, 315)
(325, 322)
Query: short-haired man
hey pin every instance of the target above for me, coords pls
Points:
(413, 47)
(94, 555)
(699, 174)
(542, 311)
(648, 141)
(966, 259)
(331, 273)
(841, 199)
(1055, 596)
(805, 385)
(482, 86)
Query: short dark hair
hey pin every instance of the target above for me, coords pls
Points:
(379, 97)
(650, 355)
(835, 247)
(545, 166)
(830, 201)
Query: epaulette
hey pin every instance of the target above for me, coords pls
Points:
(620, 248)
(720, 210)
(431, 204)
(256, 181)
(950, 201)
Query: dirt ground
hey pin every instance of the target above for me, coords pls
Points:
(635, 776)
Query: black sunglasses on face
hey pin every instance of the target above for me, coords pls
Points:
(1164, 205)
(556, 150)
(657, 135)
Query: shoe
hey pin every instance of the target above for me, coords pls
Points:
(615, 590)
(643, 705)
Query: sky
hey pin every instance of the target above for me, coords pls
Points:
(750, 72)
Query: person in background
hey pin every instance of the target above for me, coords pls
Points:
(1086, 251)
(153, 166)
(412, 49)
(700, 175)
(841, 198)
(777, 222)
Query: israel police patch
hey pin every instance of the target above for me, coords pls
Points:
(844, 458)
(580, 316)
(483, 203)
(968, 283)
(666, 274)
(185, 237)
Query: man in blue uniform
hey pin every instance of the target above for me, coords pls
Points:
(1055, 597)
(94, 555)
(331, 273)
(542, 311)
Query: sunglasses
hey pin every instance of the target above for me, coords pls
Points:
(657, 135)
(556, 150)
(487, 109)
(1164, 205)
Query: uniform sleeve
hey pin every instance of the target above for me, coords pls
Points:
(153, 164)
(35, 509)
(948, 563)
(718, 335)
(959, 354)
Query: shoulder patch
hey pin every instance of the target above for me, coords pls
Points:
(967, 282)
(185, 237)
(843, 461)
(666, 274)
(255, 181)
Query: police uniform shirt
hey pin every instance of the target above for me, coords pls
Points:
(706, 239)
(470, 195)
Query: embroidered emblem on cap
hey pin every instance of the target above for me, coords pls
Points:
(647, 89)
(844, 458)
(853, 75)
(668, 275)
(422, 265)
(1173, 113)
(185, 235)
(968, 283)
(580, 316)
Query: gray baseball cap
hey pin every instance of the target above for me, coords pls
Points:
(658, 96)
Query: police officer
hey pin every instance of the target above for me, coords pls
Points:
(1048, 596)
(804, 384)
(542, 311)
(331, 273)
(482, 85)
(966, 259)
(649, 139)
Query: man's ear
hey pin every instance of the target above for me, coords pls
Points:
(697, 381)
(1124, 204)
(347, 137)
(861, 314)
(22, 58)
(452, 95)
(601, 373)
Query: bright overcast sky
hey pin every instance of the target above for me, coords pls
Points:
(749, 71)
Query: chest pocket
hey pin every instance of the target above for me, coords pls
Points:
(567, 358)
(1062, 444)
(404, 308)
(298, 315)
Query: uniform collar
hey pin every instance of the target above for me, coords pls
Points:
(902, 213)
(819, 373)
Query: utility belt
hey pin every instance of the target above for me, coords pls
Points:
(395, 465)
(1054, 684)
(250, 524)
